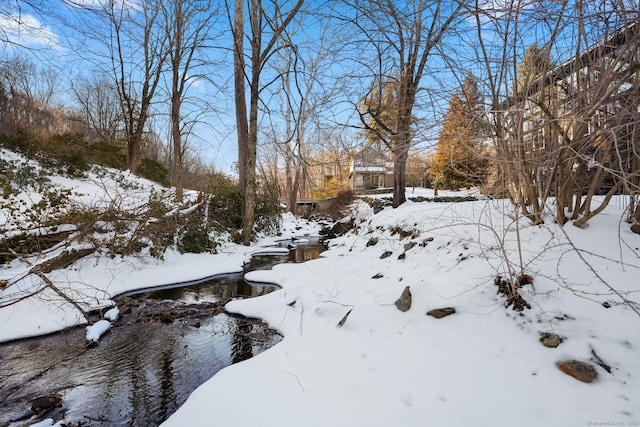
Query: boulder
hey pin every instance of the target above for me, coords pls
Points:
(439, 313)
(404, 302)
(581, 371)
(635, 228)
(386, 254)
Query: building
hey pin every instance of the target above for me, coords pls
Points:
(370, 169)
(577, 128)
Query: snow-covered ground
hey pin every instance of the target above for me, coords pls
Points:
(483, 365)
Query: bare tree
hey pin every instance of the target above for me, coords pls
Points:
(263, 21)
(28, 94)
(136, 42)
(566, 133)
(403, 36)
(305, 93)
(188, 24)
(99, 108)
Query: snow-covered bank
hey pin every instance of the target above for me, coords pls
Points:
(483, 365)
(95, 280)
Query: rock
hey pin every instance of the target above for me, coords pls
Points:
(635, 228)
(550, 340)
(402, 256)
(45, 404)
(579, 370)
(95, 331)
(439, 313)
(112, 314)
(408, 246)
(404, 302)
(344, 318)
(377, 276)
(372, 242)
(426, 241)
(387, 254)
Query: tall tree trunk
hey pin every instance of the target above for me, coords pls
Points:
(242, 126)
(399, 175)
(177, 144)
(250, 189)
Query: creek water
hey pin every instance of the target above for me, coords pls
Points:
(167, 342)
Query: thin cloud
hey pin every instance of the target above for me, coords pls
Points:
(26, 30)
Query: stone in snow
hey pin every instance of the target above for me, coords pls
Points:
(404, 302)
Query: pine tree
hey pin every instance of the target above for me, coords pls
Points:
(535, 63)
(380, 106)
(461, 158)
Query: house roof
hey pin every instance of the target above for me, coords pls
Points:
(601, 48)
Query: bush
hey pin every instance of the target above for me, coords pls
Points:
(267, 213)
(339, 203)
(225, 205)
(154, 171)
(107, 154)
(195, 238)
(68, 151)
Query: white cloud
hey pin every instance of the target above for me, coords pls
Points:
(26, 30)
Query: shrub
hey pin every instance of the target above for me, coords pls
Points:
(154, 171)
(195, 238)
(267, 213)
(225, 204)
(339, 203)
(107, 154)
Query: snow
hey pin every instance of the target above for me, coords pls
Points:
(271, 251)
(47, 422)
(95, 331)
(483, 365)
(112, 314)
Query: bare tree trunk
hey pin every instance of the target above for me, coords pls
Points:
(248, 132)
(242, 125)
(404, 35)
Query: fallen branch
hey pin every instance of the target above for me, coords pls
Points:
(64, 296)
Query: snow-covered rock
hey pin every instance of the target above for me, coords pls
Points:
(95, 331)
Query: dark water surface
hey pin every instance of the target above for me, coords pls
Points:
(166, 343)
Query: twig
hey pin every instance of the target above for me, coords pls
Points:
(297, 379)
(63, 295)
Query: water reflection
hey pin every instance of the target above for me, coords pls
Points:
(168, 342)
(138, 375)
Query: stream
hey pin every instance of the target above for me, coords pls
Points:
(167, 342)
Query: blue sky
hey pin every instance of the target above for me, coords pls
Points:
(43, 32)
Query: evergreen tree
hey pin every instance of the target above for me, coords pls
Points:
(535, 63)
(380, 106)
(461, 157)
